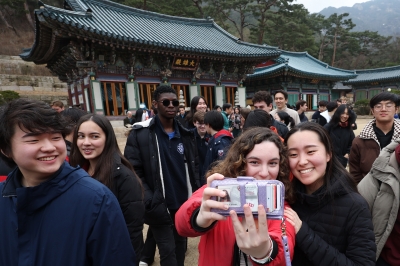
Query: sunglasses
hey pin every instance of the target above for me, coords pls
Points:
(167, 102)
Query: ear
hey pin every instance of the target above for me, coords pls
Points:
(328, 157)
(4, 154)
(154, 103)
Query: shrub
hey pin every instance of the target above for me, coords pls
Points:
(361, 107)
(8, 96)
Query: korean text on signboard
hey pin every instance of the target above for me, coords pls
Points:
(184, 63)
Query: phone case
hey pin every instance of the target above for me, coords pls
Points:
(245, 189)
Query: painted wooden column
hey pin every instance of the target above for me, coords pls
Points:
(194, 90)
(97, 99)
(220, 97)
(132, 95)
(242, 96)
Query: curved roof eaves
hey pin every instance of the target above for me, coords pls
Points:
(212, 39)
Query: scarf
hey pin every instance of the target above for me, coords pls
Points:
(344, 124)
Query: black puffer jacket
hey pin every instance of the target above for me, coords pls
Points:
(336, 231)
(129, 192)
(142, 152)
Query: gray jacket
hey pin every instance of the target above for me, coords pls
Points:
(381, 190)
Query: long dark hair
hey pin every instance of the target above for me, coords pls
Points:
(138, 115)
(339, 111)
(286, 118)
(103, 171)
(234, 164)
(334, 169)
(193, 104)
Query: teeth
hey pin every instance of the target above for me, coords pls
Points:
(306, 171)
(47, 158)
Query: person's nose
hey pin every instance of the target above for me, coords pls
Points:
(47, 146)
(303, 159)
(264, 171)
(86, 141)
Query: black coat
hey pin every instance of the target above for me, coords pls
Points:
(142, 152)
(334, 231)
(342, 138)
(129, 192)
(280, 127)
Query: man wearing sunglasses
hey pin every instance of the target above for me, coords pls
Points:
(164, 156)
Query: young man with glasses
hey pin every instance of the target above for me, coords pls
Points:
(376, 135)
(164, 155)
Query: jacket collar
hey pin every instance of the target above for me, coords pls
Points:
(368, 131)
(223, 133)
(320, 197)
(33, 198)
(151, 122)
(386, 163)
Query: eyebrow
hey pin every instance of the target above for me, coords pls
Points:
(90, 133)
(253, 157)
(307, 146)
(34, 134)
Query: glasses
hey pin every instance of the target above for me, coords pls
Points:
(379, 106)
(167, 102)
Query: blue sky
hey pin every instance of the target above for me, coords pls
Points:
(315, 6)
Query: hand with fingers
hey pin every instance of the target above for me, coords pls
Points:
(252, 235)
(293, 218)
(206, 217)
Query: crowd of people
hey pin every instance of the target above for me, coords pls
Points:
(71, 197)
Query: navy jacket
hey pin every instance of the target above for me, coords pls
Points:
(218, 146)
(71, 219)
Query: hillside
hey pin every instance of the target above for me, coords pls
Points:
(375, 15)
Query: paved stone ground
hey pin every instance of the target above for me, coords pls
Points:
(192, 251)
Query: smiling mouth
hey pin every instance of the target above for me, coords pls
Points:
(306, 170)
(47, 158)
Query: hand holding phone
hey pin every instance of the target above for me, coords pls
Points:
(206, 217)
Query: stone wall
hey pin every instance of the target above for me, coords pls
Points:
(27, 79)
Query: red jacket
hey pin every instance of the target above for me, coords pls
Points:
(216, 246)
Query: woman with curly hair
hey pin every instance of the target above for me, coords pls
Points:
(224, 240)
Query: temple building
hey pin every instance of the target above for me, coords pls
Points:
(371, 82)
(114, 56)
(302, 76)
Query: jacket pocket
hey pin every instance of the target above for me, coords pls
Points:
(156, 212)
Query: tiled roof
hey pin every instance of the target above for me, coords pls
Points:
(375, 75)
(126, 24)
(303, 65)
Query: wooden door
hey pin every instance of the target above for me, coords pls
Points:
(208, 93)
(114, 98)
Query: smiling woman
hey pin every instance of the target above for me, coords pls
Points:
(332, 221)
(222, 242)
(95, 148)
